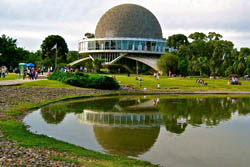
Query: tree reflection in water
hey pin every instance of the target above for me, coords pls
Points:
(177, 113)
(131, 125)
(53, 114)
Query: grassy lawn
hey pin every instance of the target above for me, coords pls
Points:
(167, 83)
(9, 76)
(181, 84)
(47, 83)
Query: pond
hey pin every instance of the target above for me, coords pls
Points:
(167, 130)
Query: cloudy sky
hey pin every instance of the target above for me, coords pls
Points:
(30, 21)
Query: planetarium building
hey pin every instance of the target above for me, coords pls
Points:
(128, 37)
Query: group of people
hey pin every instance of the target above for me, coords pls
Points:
(32, 73)
(201, 81)
(234, 81)
(70, 69)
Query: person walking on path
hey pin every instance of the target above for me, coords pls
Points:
(19, 73)
(24, 73)
(4, 70)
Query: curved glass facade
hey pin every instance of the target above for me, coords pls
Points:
(123, 45)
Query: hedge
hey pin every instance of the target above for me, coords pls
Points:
(85, 80)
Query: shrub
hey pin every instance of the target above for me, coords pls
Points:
(85, 80)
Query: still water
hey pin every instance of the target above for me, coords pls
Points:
(167, 130)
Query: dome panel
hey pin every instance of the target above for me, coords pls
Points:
(129, 21)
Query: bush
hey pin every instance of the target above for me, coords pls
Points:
(85, 80)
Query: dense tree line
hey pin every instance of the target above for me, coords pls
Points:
(201, 54)
(197, 54)
(12, 55)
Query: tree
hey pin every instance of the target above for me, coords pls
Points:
(49, 54)
(200, 48)
(97, 65)
(11, 55)
(222, 50)
(183, 66)
(214, 36)
(168, 62)
(244, 52)
(198, 36)
(229, 71)
(201, 65)
(241, 62)
(34, 57)
(73, 56)
(191, 66)
(239, 66)
(175, 41)
(247, 70)
(89, 35)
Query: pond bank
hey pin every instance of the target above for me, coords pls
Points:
(16, 101)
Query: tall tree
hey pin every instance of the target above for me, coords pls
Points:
(244, 52)
(198, 36)
(222, 50)
(176, 40)
(49, 54)
(214, 36)
(10, 54)
(200, 48)
(183, 66)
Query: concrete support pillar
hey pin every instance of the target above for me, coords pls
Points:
(137, 68)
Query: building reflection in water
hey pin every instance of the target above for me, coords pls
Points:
(121, 119)
(129, 134)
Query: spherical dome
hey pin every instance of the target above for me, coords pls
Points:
(128, 20)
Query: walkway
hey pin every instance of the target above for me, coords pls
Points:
(19, 81)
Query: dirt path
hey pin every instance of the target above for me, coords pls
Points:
(16, 81)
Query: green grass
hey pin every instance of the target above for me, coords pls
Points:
(167, 83)
(47, 83)
(14, 130)
(182, 84)
(21, 107)
(9, 76)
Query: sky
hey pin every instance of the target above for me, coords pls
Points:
(31, 21)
